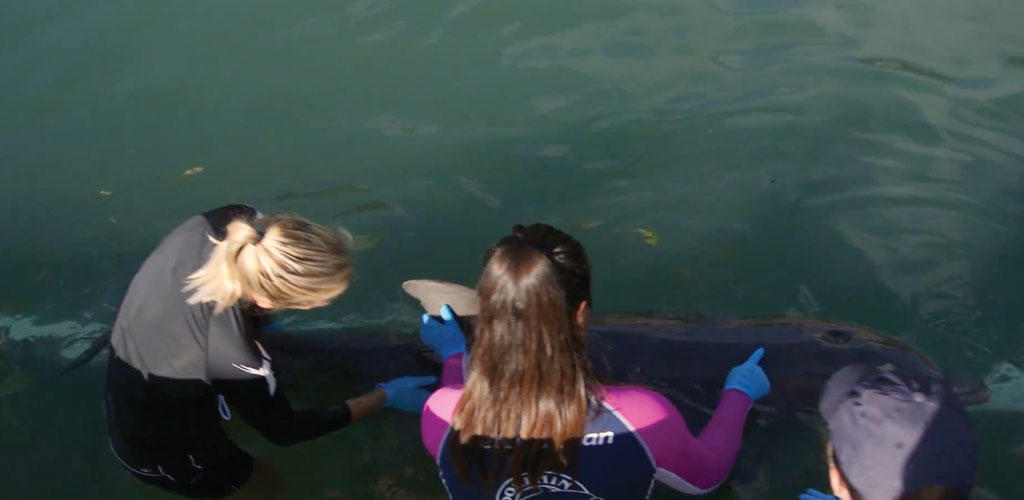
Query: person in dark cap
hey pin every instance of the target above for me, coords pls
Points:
(895, 437)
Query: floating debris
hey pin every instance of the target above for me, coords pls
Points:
(981, 493)
(323, 193)
(13, 382)
(476, 189)
(807, 300)
(104, 192)
(12, 379)
(366, 207)
(193, 171)
(393, 126)
(364, 242)
(546, 150)
(906, 67)
(650, 237)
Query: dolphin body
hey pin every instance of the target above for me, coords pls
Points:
(694, 353)
(687, 360)
(684, 359)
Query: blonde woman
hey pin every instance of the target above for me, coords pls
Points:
(184, 348)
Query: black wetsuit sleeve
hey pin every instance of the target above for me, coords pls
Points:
(274, 417)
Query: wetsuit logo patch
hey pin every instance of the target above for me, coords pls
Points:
(550, 484)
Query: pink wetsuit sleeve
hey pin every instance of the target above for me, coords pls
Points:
(451, 373)
(683, 462)
(440, 407)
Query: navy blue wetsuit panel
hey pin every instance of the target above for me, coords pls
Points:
(611, 464)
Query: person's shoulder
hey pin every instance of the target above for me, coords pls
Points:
(639, 405)
(443, 401)
(627, 395)
(220, 217)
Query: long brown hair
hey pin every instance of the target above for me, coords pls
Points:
(529, 385)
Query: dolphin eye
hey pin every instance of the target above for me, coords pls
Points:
(837, 337)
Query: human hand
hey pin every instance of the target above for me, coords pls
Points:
(444, 337)
(812, 494)
(406, 394)
(749, 378)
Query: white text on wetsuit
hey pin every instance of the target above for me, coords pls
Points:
(598, 438)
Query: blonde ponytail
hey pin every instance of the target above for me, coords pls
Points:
(294, 263)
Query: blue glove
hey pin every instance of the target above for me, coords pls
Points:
(404, 393)
(812, 494)
(444, 337)
(749, 378)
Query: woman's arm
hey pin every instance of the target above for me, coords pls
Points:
(440, 407)
(274, 418)
(686, 463)
(451, 372)
(360, 406)
(437, 417)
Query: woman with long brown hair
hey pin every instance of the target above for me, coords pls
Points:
(185, 348)
(529, 417)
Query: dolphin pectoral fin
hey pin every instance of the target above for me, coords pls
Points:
(748, 478)
(432, 294)
(968, 390)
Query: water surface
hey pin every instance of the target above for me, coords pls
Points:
(851, 160)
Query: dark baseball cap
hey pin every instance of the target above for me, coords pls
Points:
(894, 433)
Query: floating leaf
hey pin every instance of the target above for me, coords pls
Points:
(323, 193)
(650, 237)
(193, 171)
(12, 379)
(367, 207)
(364, 242)
(13, 382)
(476, 189)
(906, 67)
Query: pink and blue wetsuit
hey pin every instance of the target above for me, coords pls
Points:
(639, 438)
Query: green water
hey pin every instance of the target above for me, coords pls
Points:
(851, 160)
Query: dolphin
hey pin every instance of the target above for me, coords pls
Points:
(686, 359)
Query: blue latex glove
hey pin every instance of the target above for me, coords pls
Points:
(406, 394)
(749, 377)
(812, 494)
(444, 337)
